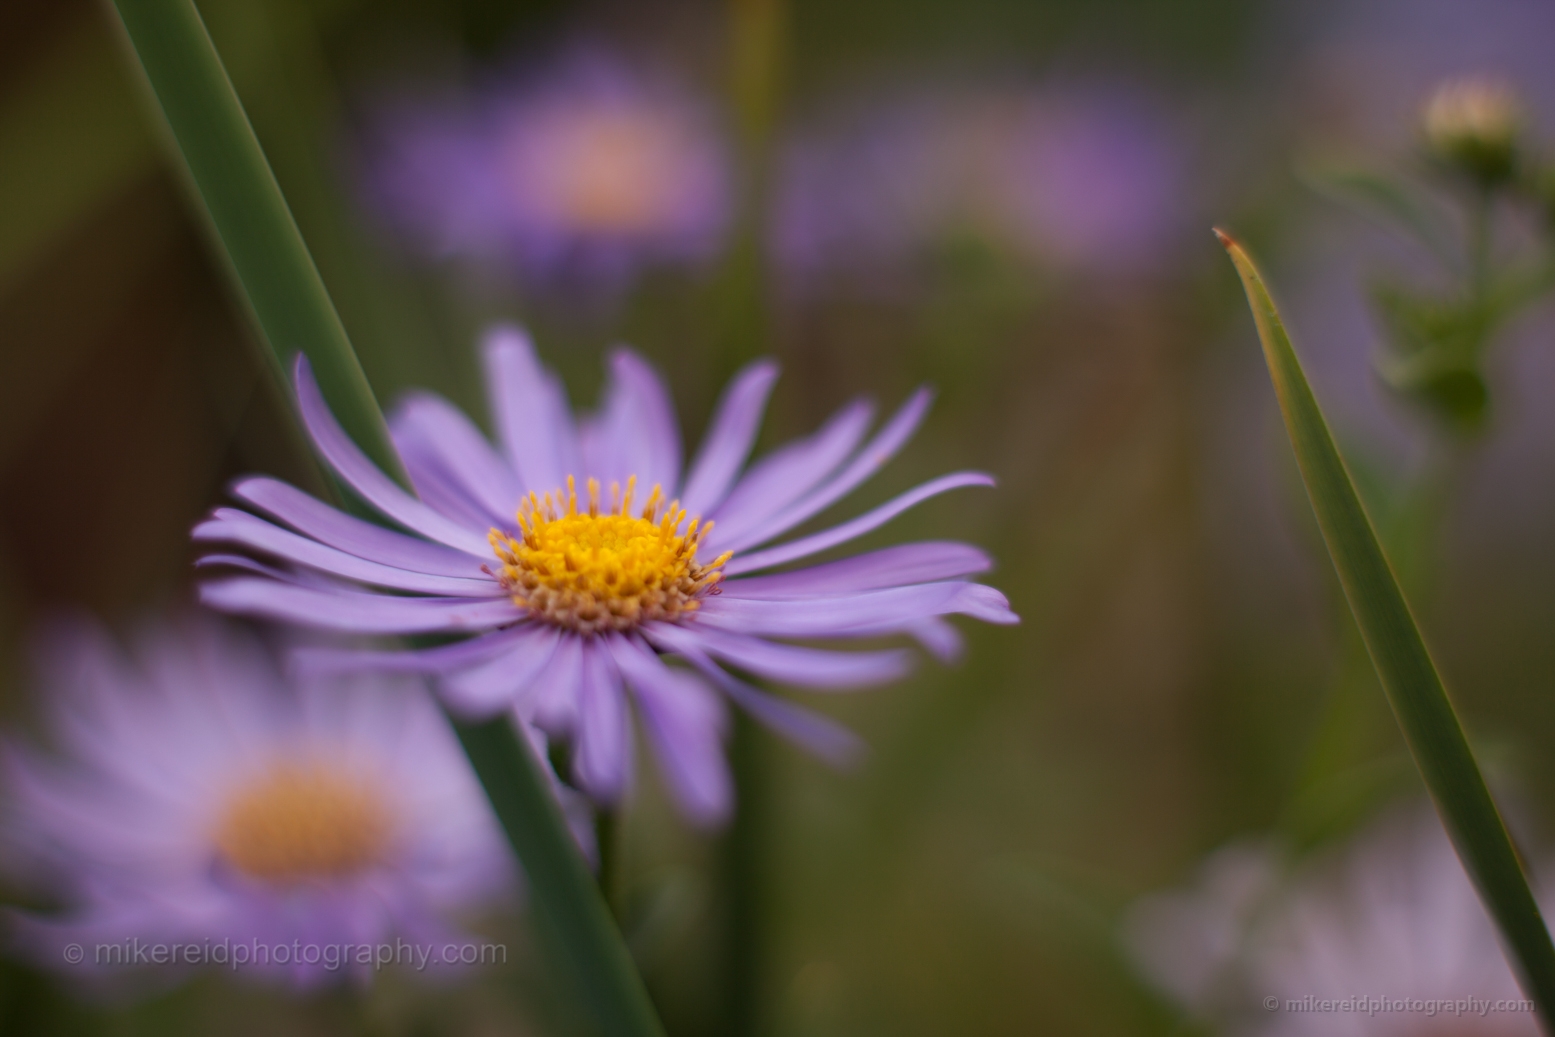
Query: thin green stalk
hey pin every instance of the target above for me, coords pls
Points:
(294, 313)
(1404, 666)
(757, 45)
(1481, 224)
(609, 842)
(280, 284)
(564, 890)
(744, 856)
(758, 37)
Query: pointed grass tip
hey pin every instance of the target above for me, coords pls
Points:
(1226, 240)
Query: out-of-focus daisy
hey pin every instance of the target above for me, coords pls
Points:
(583, 555)
(1187, 941)
(585, 173)
(1096, 180)
(202, 800)
(1389, 932)
(1088, 179)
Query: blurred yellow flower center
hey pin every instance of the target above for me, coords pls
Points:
(615, 172)
(304, 821)
(603, 569)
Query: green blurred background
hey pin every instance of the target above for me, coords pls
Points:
(1185, 673)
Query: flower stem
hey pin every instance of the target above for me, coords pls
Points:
(294, 313)
(571, 902)
(744, 857)
(757, 47)
(609, 838)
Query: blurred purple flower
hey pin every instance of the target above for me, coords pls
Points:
(576, 598)
(1390, 916)
(585, 174)
(204, 801)
(1094, 179)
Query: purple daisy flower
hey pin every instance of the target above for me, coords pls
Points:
(583, 175)
(1096, 180)
(1092, 178)
(1388, 918)
(583, 556)
(204, 801)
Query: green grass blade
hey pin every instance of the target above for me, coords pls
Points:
(288, 299)
(1403, 664)
(530, 814)
(294, 312)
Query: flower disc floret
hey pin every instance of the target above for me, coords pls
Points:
(302, 822)
(595, 570)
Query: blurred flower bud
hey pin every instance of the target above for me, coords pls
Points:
(1473, 124)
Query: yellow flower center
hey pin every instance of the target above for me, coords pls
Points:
(616, 171)
(305, 821)
(598, 570)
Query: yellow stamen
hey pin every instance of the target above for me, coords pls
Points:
(599, 571)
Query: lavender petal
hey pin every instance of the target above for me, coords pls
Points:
(857, 527)
(938, 638)
(729, 438)
(551, 703)
(685, 721)
(786, 474)
(985, 603)
(330, 662)
(530, 411)
(437, 488)
(352, 535)
(603, 736)
(352, 611)
(821, 735)
(884, 446)
(492, 686)
(462, 450)
(364, 477)
(634, 433)
(922, 562)
(855, 615)
(809, 667)
(228, 525)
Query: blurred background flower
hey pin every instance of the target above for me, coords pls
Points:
(1089, 178)
(200, 799)
(580, 170)
(1391, 915)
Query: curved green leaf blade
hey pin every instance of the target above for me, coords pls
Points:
(1407, 674)
(272, 263)
(295, 313)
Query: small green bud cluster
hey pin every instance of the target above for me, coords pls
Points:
(1474, 124)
